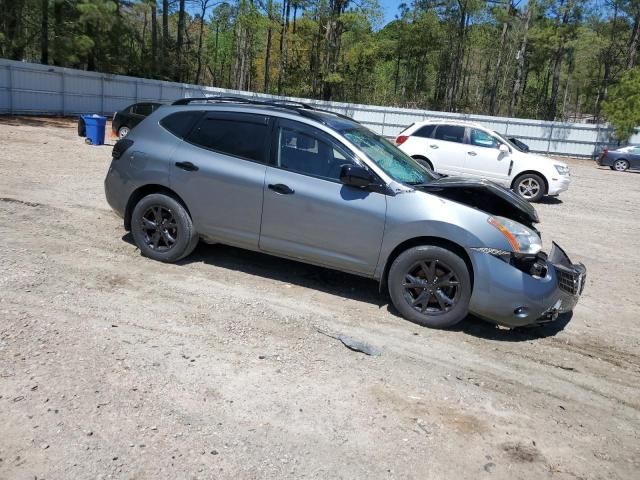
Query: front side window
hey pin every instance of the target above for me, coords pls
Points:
(635, 150)
(450, 133)
(482, 139)
(305, 153)
(243, 136)
(393, 161)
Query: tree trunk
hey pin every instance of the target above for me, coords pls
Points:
(557, 64)
(633, 43)
(154, 38)
(517, 84)
(179, 41)
(215, 56)
(286, 9)
(496, 74)
(165, 36)
(44, 34)
(267, 58)
(203, 12)
(57, 32)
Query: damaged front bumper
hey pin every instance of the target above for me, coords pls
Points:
(532, 290)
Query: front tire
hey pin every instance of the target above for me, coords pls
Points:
(162, 228)
(620, 165)
(530, 186)
(430, 286)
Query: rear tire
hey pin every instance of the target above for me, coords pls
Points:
(430, 286)
(123, 132)
(530, 186)
(425, 162)
(162, 228)
(621, 165)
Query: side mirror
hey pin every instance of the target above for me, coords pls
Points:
(503, 148)
(355, 176)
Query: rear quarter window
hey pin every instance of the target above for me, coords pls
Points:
(425, 132)
(181, 123)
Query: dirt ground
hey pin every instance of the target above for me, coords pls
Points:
(115, 366)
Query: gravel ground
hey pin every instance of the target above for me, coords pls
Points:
(115, 366)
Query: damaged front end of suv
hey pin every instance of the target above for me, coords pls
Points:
(520, 285)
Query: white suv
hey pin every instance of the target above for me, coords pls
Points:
(471, 150)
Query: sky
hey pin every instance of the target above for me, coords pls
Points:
(390, 8)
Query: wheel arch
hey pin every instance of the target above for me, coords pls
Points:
(426, 240)
(142, 192)
(534, 172)
(422, 157)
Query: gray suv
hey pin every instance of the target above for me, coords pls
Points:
(301, 183)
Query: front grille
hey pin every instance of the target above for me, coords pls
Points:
(570, 282)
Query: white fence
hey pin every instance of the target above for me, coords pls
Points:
(27, 88)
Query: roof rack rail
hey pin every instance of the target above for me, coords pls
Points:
(284, 103)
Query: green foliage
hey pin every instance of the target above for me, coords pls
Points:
(456, 55)
(622, 108)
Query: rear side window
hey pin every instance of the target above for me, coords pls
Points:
(142, 109)
(425, 132)
(450, 133)
(243, 136)
(181, 123)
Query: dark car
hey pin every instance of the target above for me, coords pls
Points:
(523, 147)
(621, 159)
(127, 118)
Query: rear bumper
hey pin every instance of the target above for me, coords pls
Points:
(505, 295)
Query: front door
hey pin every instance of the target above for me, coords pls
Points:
(484, 159)
(308, 214)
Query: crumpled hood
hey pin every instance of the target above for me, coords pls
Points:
(484, 195)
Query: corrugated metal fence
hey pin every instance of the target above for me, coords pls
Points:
(27, 88)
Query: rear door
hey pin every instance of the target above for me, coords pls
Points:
(484, 159)
(447, 149)
(219, 171)
(308, 214)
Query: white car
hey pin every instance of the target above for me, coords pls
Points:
(470, 150)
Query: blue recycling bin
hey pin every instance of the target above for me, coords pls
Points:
(95, 126)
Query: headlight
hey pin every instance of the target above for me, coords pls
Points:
(521, 238)
(562, 169)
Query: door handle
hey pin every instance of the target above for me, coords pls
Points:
(188, 166)
(281, 188)
(434, 146)
(472, 153)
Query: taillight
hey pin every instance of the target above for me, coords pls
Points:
(120, 147)
(401, 139)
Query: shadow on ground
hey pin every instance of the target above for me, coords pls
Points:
(58, 122)
(344, 285)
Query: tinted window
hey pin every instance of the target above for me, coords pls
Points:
(482, 139)
(304, 153)
(425, 132)
(142, 109)
(243, 136)
(450, 133)
(180, 123)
